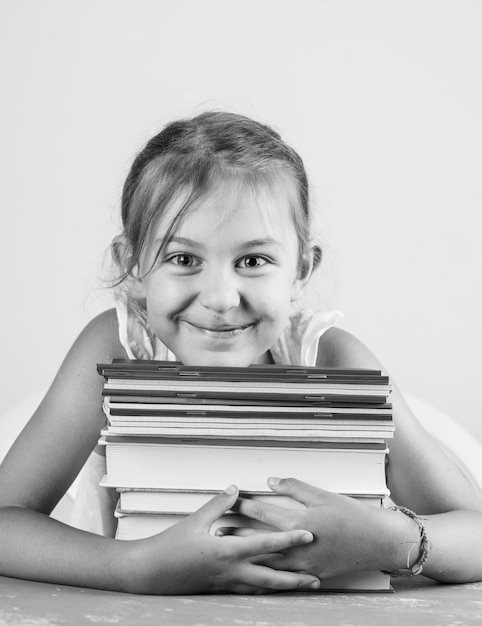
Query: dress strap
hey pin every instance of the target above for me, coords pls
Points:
(298, 345)
(135, 335)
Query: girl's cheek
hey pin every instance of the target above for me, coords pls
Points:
(171, 297)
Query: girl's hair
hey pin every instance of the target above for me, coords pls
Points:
(192, 156)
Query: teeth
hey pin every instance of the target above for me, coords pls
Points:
(226, 332)
(230, 331)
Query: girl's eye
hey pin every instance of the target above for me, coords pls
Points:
(251, 262)
(184, 260)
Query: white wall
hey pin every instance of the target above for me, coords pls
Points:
(382, 99)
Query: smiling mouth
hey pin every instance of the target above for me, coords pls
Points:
(221, 331)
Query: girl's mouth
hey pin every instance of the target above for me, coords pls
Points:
(220, 331)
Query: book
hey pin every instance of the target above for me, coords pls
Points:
(167, 407)
(132, 526)
(360, 582)
(240, 434)
(170, 463)
(296, 388)
(184, 502)
(243, 399)
(172, 368)
(138, 524)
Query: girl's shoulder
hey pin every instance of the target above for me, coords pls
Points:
(339, 348)
(101, 336)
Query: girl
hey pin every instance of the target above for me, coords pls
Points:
(215, 252)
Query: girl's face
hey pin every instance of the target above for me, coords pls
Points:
(220, 292)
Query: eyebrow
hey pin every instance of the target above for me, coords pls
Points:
(184, 241)
(266, 241)
(252, 243)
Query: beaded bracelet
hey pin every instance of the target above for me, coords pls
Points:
(425, 547)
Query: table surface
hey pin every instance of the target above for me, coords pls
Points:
(416, 600)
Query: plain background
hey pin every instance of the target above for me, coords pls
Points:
(382, 98)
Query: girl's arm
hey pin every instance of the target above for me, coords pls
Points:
(351, 536)
(44, 461)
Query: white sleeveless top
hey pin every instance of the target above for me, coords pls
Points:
(298, 345)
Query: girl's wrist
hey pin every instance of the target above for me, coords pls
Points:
(419, 551)
(131, 565)
(406, 542)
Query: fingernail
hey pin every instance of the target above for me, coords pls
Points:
(307, 538)
(315, 584)
(231, 490)
(272, 480)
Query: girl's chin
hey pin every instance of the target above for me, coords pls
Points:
(225, 359)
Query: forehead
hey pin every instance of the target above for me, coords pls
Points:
(234, 205)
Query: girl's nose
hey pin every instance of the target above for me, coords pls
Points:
(219, 291)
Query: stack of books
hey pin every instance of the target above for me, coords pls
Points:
(177, 434)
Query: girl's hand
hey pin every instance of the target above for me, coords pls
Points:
(349, 535)
(187, 559)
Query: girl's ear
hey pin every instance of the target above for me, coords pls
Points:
(136, 287)
(317, 255)
(308, 264)
(121, 253)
